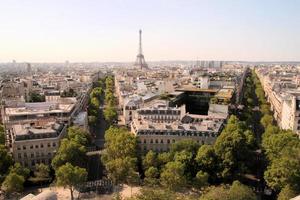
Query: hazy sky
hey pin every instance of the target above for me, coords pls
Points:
(107, 30)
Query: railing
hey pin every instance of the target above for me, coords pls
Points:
(101, 186)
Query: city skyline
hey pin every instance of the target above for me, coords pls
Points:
(107, 31)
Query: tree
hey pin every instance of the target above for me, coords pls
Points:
(274, 144)
(120, 154)
(150, 160)
(70, 176)
(155, 194)
(266, 120)
(172, 176)
(269, 131)
(287, 193)
(164, 158)
(239, 191)
(5, 160)
(97, 93)
(236, 191)
(79, 135)
(207, 160)
(110, 114)
(13, 183)
(69, 151)
(2, 135)
(216, 193)
(42, 171)
(17, 168)
(35, 97)
(265, 109)
(234, 148)
(284, 170)
(187, 145)
(201, 179)
(185, 151)
(152, 176)
(120, 169)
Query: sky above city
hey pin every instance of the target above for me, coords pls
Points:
(107, 30)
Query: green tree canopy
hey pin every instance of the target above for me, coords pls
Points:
(284, 170)
(172, 176)
(120, 154)
(236, 191)
(42, 171)
(5, 160)
(2, 135)
(13, 183)
(150, 160)
(69, 151)
(274, 144)
(110, 114)
(17, 168)
(70, 176)
(288, 193)
(266, 120)
(234, 148)
(79, 135)
(152, 176)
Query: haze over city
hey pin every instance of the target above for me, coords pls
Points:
(55, 31)
(149, 100)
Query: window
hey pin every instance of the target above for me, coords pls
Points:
(42, 146)
(32, 155)
(162, 141)
(36, 146)
(19, 148)
(19, 155)
(49, 145)
(173, 141)
(168, 141)
(24, 147)
(145, 141)
(151, 141)
(25, 155)
(156, 141)
(54, 144)
(31, 146)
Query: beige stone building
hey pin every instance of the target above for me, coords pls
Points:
(31, 144)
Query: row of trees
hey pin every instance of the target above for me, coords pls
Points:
(96, 99)
(282, 151)
(110, 111)
(236, 191)
(70, 160)
(187, 165)
(281, 148)
(103, 93)
(190, 165)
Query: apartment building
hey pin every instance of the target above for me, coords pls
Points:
(35, 143)
(160, 136)
(159, 125)
(282, 91)
(62, 110)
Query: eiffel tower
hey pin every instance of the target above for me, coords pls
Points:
(140, 59)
